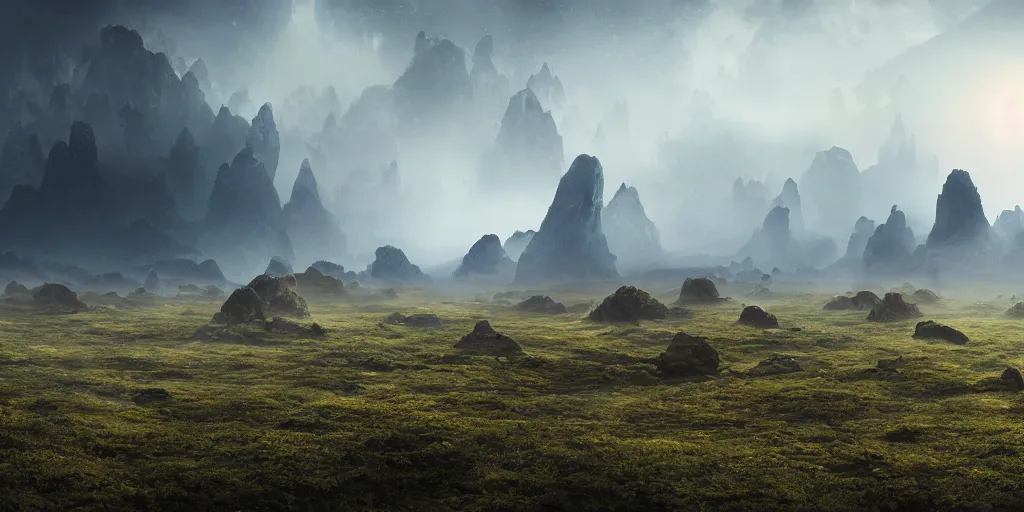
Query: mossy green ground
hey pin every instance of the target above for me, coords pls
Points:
(392, 418)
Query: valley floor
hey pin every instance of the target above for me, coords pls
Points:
(118, 408)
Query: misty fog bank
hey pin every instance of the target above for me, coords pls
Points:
(677, 99)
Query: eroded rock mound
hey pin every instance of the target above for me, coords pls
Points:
(57, 297)
(754, 316)
(929, 330)
(485, 257)
(858, 242)
(863, 300)
(279, 296)
(264, 140)
(1016, 311)
(314, 230)
(775, 365)
(891, 245)
(242, 307)
(528, 147)
(893, 309)
(420, 320)
(629, 304)
(1012, 379)
(699, 290)
(959, 217)
(314, 282)
(485, 340)
(926, 296)
(15, 289)
(542, 304)
(391, 264)
(570, 244)
(334, 270)
(688, 356)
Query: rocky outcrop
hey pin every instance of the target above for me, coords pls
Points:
(632, 237)
(893, 309)
(863, 300)
(313, 282)
(485, 257)
(831, 191)
(959, 217)
(688, 356)
(391, 264)
(547, 86)
(421, 320)
(890, 247)
(484, 340)
(699, 290)
(244, 218)
(21, 161)
(334, 270)
(313, 229)
(570, 244)
(436, 80)
(774, 245)
(264, 140)
(279, 296)
(858, 242)
(187, 180)
(516, 244)
(929, 330)
(790, 199)
(629, 304)
(1009, 224)
(542, 304)
(188, 271)
(243, 306)
(57, 298)
(754, 316)
(528, 149)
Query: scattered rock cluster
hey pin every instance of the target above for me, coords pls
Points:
(264, 296)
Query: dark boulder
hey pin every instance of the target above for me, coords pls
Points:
(484, 340)
(688, 356)
(632, 237)
(1012, 379)
(243, 306)
(279, 296)
(391, 264)
(1016, 311)
(570, 244)
(629, 304)
(754, 316)
(542, 304)
(699, 290)
(893, 309)
(516, 244)
(57, 297)
(486, 257)
(929, 330)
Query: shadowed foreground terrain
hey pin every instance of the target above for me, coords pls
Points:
(119, 408)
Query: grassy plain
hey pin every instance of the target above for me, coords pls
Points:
(394, 418)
